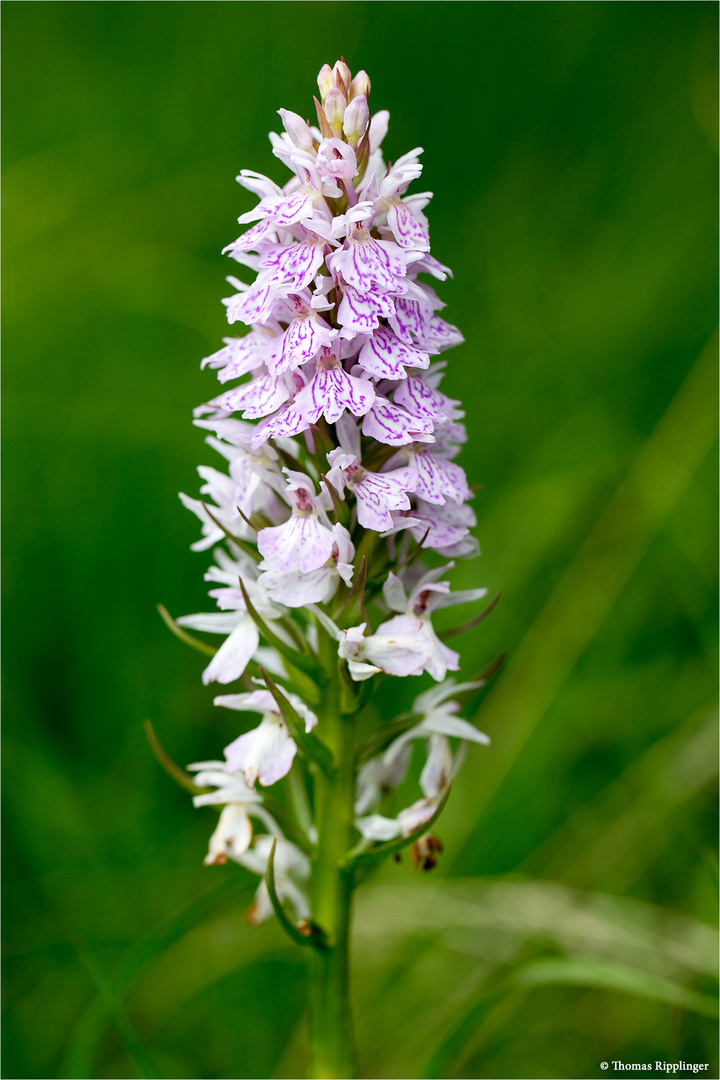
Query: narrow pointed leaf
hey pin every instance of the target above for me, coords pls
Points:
(163, 758)
(325, 128)
(308, 744)
(416, 551)
(307, 933)
(353, 611)
(243, 544)
(300, 660)
(384, 735)
(391, 847)
(194, 643)
(323, 443)
(295, 464)
(287, 822)
(353, 696)
(484, 676)
(341, 508)
(455, 631)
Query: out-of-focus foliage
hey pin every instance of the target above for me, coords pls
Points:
(571, 149)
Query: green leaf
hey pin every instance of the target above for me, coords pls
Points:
(391, 847)
(194, 643)
(304, 933)
(353, 611)
(308, 744)
(174, 771)
(455, 631)
(323, 443)
(243, 544)
(299, 660)
(384, 735)
(415, 553)
(340, 506)
(483, 676)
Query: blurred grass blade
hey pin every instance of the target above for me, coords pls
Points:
(130, 1039)
(603, 975)
(633, 808)
(466, 1039)
(84, 1040)
(593, 582)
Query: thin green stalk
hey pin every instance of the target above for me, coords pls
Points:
(331, 1031)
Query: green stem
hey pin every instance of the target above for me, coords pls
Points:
(331, 1034)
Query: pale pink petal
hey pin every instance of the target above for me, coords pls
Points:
(407, 230)
(233, 656)
(360, 313)
(369, 265)
(390, 424)
(302, 543)
(385, 356)
(331, 392)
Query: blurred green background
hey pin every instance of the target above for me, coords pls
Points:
(572, 151)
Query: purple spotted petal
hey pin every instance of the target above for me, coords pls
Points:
(390, 424)
(449, 524)
(441, 335)
(434, 479)
(255, 305)
(377, 495)
(301, 543)
(361, 314)
(385, 356)
(407, 230)
(292, 267)
(302, 341)
(411, 320)
(261, 396)
(239, 356)
(369, 264)
(295, 208)
(422, 401)
(251, 238)
(331, 392)
(429, 265)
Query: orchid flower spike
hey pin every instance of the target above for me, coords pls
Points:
(332, 513)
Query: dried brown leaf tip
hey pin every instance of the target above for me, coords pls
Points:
(424, 851)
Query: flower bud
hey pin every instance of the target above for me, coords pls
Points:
(356, 119)
(343, 76)
(297, 129)
(326, 80)
(360, 85)
(335, 106)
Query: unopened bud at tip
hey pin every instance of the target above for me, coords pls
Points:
(343, 76)
(335, 106)
(360, 85)
(356, 119)
(297, 129)
(326, 80)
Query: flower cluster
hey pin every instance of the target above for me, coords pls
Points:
(340, 472)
